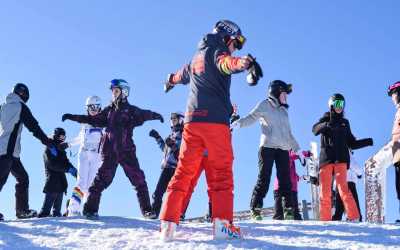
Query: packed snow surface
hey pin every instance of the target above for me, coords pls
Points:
(132, 233)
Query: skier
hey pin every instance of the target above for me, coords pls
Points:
(56, 182)
(394, 92)
(170, 146)
(14, 113)
(294, 179)
(354, 173)
(119, 118)
(207, 127)
(275, 142)
(89, 157)
(336, 140)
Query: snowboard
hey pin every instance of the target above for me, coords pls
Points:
(375, 183)
(237, 216)
(312, 169)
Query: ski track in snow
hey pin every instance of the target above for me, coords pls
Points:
(128, 233)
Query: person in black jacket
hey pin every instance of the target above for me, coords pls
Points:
(336, 140)
(56, 181)
(14, 114)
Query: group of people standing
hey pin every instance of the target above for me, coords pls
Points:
(200, 140)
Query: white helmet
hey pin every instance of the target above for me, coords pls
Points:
(93, 103)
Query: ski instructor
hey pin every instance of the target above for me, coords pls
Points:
(207, 127)
(119, 119)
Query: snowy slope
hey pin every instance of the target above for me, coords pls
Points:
(127, 233)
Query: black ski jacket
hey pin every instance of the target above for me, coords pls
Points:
(336, 139)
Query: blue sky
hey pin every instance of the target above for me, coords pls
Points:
(68, 50)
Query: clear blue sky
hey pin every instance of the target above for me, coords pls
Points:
(67, 50)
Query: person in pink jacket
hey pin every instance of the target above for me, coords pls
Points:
(294, 179)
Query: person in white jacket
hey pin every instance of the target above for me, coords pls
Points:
(354, 173)
(89, 156)
(275, 142)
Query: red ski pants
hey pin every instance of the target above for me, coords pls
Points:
(339, 171)
(197, 137)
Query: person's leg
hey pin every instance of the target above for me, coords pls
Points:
(348, 200)
(190, 156)
(397, 179)
(265, 162)
(162, 184)
(297, 215)
(137, 178)
(5, 169)
(353, 190)
(21, 186)
(103, 179)
(47, 204)
(82, 186)
(325, 175)
(283, 175)
(339, 207)
(58, 197)
(193, 183)
(278, 211)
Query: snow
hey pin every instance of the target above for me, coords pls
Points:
(132, 233)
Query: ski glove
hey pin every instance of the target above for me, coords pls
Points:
(234, 118)
(63, 146)
(66, 117)
(170, 142)
(153, 133)
(254, 71)
(73, 171)
(157, 116)
(369, 142)
(168, 85)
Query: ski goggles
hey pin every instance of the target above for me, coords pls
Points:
(240, 41)
(338, 104)
(93, 107)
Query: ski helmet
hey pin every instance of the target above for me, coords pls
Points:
(22, 91)
(93, 103)
(229, 30)
(122, 85)
(178, 115)
(276, 87)
(337, 101)
(57, 133)
(395, 87)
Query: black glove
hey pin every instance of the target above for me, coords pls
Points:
(73, 171)
(168, 85)
(62, 146)
(370, 142)
(157, 116)
(153, 133)
(170, 142)
(234, 118)
(314, 180)
(254, 72)
(66, 117)
(359, 176)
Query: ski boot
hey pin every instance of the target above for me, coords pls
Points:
(397, 221)
(255, 214)
(91, 215)
(167, 230)
(150, 215)
(1, 217)
(288, 214)
(29, 213)
(223, 230)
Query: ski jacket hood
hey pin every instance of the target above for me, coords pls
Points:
(212, 41)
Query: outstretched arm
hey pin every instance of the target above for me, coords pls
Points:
(99, 120)
(253, 116)
(228, 64)
(180, 77)
(354, 143)
(321, 127)
(33, 126)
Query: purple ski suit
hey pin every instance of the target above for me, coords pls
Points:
(117, 147)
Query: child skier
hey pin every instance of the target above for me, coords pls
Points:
(353, 174)
(336, 140)
(207, 127)
(275, 142)
(394, 92)
(56, 182)
(14, 114)
(170, 146)
(294, 179)
(119, 119)
(89, 157)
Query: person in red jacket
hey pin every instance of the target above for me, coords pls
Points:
(207, 127)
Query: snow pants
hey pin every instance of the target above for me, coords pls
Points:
(88, 166)
(9, 164)
(193, 183)
(339, 171)
(106, 174)
(266, 159)
(397, 169)
(162, 184)
(52, 200)
(197, 137)
(278, 209)
(339, 208)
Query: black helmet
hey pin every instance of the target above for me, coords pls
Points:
(337, 101)
(22, 91)
(229, 30)
(276, 87)
(58, 132)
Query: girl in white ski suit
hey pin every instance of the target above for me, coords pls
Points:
(89, 157)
